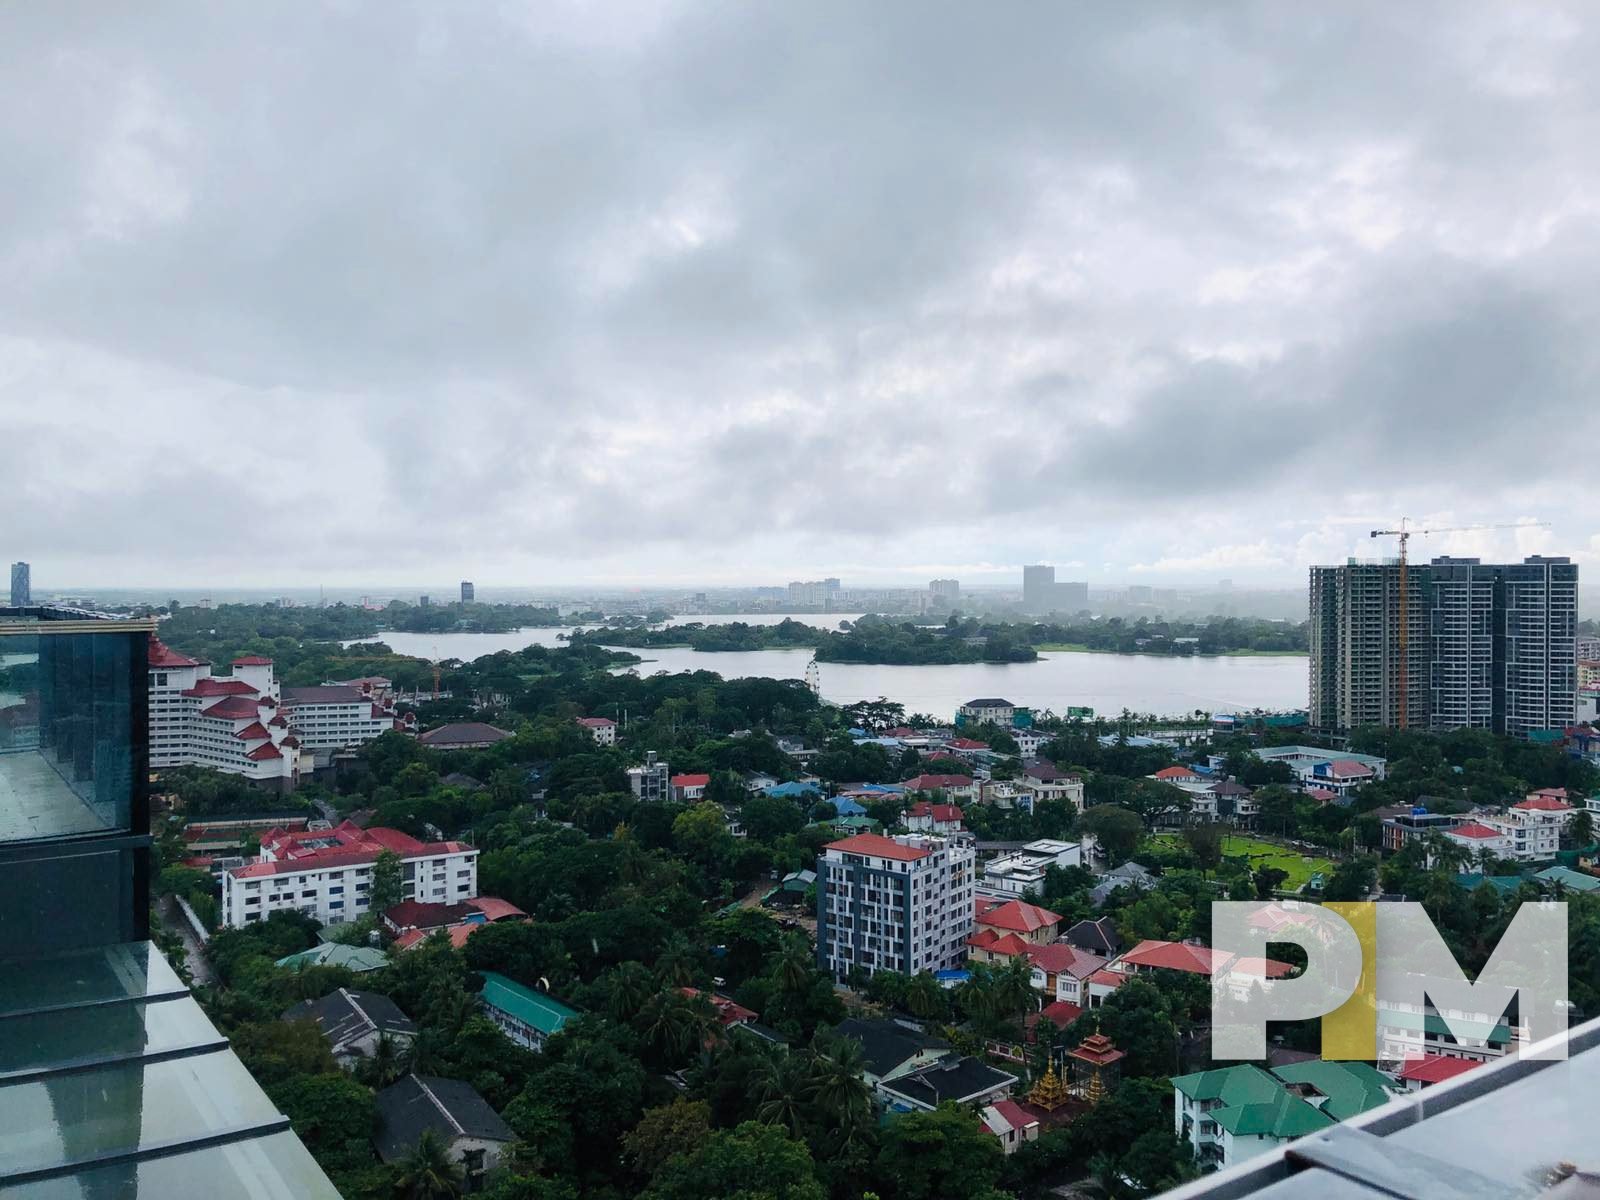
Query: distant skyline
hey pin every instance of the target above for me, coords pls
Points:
(706, 294)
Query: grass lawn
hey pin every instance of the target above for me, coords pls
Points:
(1073, 646)
(1300, 868)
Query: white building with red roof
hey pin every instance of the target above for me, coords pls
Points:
(689, 787)
(926, 817)
(1533, 826)
(958, 787)
(1011, 1124)
(327, 874)
(1191, 958)
(1479, 837)
(231, 723)
(893, 903)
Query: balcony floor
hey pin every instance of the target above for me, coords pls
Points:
(35, 802)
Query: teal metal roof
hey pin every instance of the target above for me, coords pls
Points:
(1350, 1087)
(332, 954)
(1573, 881)
(533, 1008)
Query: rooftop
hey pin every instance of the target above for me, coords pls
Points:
(544, 1013)
(875, 845)
(450, 1108)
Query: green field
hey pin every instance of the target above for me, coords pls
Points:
(1300, 868)
(1080, 648)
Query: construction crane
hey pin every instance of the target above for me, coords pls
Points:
(1404, 534)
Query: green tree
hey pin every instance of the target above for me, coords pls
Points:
(750, 1162)
(930, 1155)
(681, 1127)
(1205, 843)
(427, 1172)
(1351, 880)
(1116, 829)
(332, 1114)
(388, 881)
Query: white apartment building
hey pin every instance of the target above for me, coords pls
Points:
(327, 874)
(334, 716)
(602, 729)
(1531, 828)
(651, 781)
(897, 904)
(1025, 870)
(229, 723)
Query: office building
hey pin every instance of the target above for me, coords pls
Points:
(21, 585)
(1355, 646)
(466, 591)
(335, 716)
(328, 874)
(1038, 588)
(812, 593)
(945, 593)
(114, 1081)
(893, 904)
(233, 723)
(1490, 645)
(424, 601)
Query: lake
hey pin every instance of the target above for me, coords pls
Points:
(1108, 683)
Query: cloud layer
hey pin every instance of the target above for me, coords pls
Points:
(738, 292)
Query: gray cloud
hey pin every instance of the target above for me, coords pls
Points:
(540, 293)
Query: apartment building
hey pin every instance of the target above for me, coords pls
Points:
(336, 716)
(231, 723)
(602, 729)
(328, 874)
(1532, 827)
(900, 904)
(1355, 645)
(651, 780)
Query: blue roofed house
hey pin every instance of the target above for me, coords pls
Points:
(847, 807)
(798, 790)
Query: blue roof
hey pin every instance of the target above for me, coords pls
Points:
(954, 973)
(847, 807)
(791, 790)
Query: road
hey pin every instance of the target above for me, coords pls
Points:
(199, 967)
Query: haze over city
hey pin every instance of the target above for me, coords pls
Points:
(702, 294)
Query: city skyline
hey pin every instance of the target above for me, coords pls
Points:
(723, 301)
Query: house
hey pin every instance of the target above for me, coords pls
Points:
(1029, 741)
(1565, 879)
(1533, 825)
(472, 1133)
(1480, 838)
(1191, 958)
(988, 710)
(354, 1022)
(359, 959)
(1006, 794)
(728, 1011)
(1129, 875)
(525, 1016)
(1045, 781)
(890, 1049)
(1231, 1114)
(1424, 1072)
(845, 806)
(927, 817)
(962, 747)
(1010, 1123)
(468, 735)
(1036, 925)
(602, 729)
(958, 1080)
(1338, 771)
(958, 787)
(651, 780)
(802, 791)
(1025, 870)
(1400, 828)
(1175, 775)
(1098, 936)
(1060, 970)
(689, 788)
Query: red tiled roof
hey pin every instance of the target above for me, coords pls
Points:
(254, 732)
(1175, 773)
(1108, 978)
(939, 812)
(210, 686)
(1540, 802)
(165, 657)
(1013, 1114)
(1061, 1013)
(1014, 914)
(929, 783)
(497, 909)
(728, 1011)
(458, 935)
(1172, 956)
(264, 752)
(252, 660)
(690, 781)
(595, 722)
(414, 914)
(1472, 829)
(966, 744)
(234, 708)
(1436, 1068)
(875, 845)
(1322, 794)
(998, 943)
(1262, 968)
(1347, 767)
(1063, 956)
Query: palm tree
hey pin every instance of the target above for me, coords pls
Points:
(427, 1172)
(675, 1024)
(926, 998)
(629, 986)
(778, 1088)
(836, 1085)
(388, 1063)
(1013, 984)
(794, 964)
(679, 964)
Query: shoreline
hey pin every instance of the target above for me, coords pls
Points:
(1078, 648)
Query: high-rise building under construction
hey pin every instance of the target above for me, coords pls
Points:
(1487, 646)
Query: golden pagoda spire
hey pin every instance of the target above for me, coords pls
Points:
(1049, 1093)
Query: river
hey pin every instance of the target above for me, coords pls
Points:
(1108, 683)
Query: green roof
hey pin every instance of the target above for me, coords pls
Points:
(866, 823)
(1350, 1087)
(526, 1005)
(1501, 883)
(1283, 1116)
(332, 954)
(1575, 881)
(1242, 1084)
(1435, 1024)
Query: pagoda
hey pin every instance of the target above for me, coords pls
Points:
(1049, 1093)
(1095, 1067)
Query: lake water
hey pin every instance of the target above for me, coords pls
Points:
(1108, 683)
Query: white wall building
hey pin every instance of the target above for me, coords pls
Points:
(229, 723)
(1532, 827)
(1025, 870)
(1338, 770)
(334, 716)
(327, 874)
(602, 729)
(898, 904)
(652, 780)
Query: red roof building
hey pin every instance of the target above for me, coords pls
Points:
(939, 783)
(689, 787)
(1434, 1068)
(164, 658)
(252, 660)
(1545, 802)
(210, 686)
(1473, 830)
(1039, 924)
(875, 845)
(1176, 775)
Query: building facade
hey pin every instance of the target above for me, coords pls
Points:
(21, 585)
(899, 904)
(335, 716)
(1355, 645)
(651, 780)
(467, 591)
(328, 874)
(602, 729)
(234, 723)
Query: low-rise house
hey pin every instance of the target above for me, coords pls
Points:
(1129, 874)
(1177, 775)
(1029, 741)
(1400, 829)
(1010, 1123)
(959, 1080)
(1046, 781)
(957, 787)
(1036, 925)
(1098, 936)
(527, 1017)
(1242, 972)
(1006, 794)
(889, 1049)
(602, 729)
(1025, 870)
(1061, 969)
(800, 790)
(689, 787)
(651, 780)
(927, 817)
(359, 959)
(1533, 826)
(466, 735)
(1336, 770)
(987, 710)
(1480, 838)
(1430, 1069)
(354, 1022)
(1565, 879)
(472, 1133)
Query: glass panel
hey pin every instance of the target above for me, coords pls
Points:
(70, 1117)
(269, 1168)
(66, 742)
(128, 971)
(57, 1039)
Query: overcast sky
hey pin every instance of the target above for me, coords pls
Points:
(715, 293)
